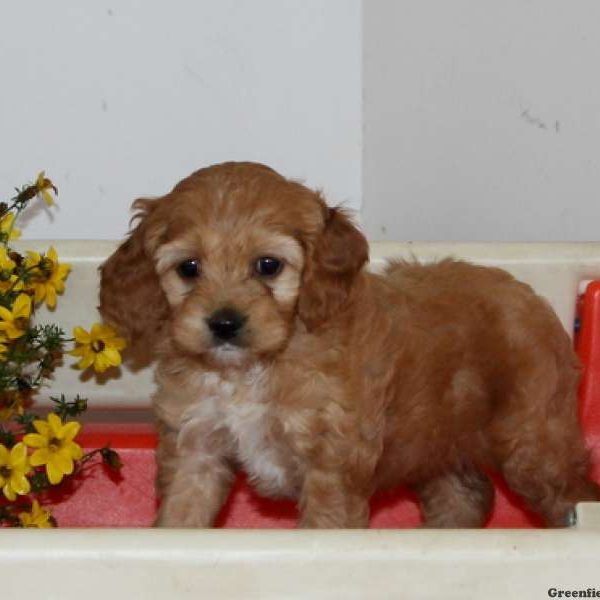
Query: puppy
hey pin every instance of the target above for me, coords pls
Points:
(279, 354)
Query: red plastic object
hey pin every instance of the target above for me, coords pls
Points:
(99, 498)
(587, 344)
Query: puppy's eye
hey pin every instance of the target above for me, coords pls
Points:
(268, 266)
(189, 269)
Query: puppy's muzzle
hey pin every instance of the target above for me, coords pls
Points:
(226, 324)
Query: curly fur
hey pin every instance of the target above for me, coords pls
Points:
(342, 381)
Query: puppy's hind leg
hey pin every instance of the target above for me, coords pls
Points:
(541, 452)
(550, 474)
(459, 498)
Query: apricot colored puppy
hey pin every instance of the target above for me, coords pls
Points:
(279, 354)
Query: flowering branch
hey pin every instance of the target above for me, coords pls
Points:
(35, 453)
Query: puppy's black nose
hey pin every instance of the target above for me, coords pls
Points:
(226, 323)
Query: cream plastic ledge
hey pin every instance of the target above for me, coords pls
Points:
(273, 564)
(555, 270)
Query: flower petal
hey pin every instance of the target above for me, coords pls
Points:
(63, 462)
(20, 484)
(50, 297)
(97, 331)
(58, 285)
(40, 457)
(63, 270)
(55, 424)
(33, 259)
(42, 427)
(12, 331)
(54, 473)
(35, 440)
(87, 360)
(101, 363)
(22, 306)
(80, 334)
(8, 492)
(70, 430)
(75, 450)
(48, 199)
(5, 314)
(39, 292)
(18, 454)
(6, 222)
(112, 356)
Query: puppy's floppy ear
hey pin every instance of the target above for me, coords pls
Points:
(131, 298)
(333, 261)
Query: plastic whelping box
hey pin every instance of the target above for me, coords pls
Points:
(241, 559)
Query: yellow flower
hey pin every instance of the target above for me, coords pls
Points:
(14, 322)
(43, 185)
(48, 276)
(14, 467)
(38, 517)
(55, 447)
(6, 262)
(8, 280)
(33, 260)
(7, 227)
(100, 347)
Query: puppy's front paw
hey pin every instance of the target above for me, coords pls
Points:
(182, 510)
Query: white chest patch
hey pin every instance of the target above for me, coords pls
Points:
(249, 425)
(241, 406)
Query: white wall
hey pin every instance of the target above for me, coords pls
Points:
(482, 119)
(121, 99)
